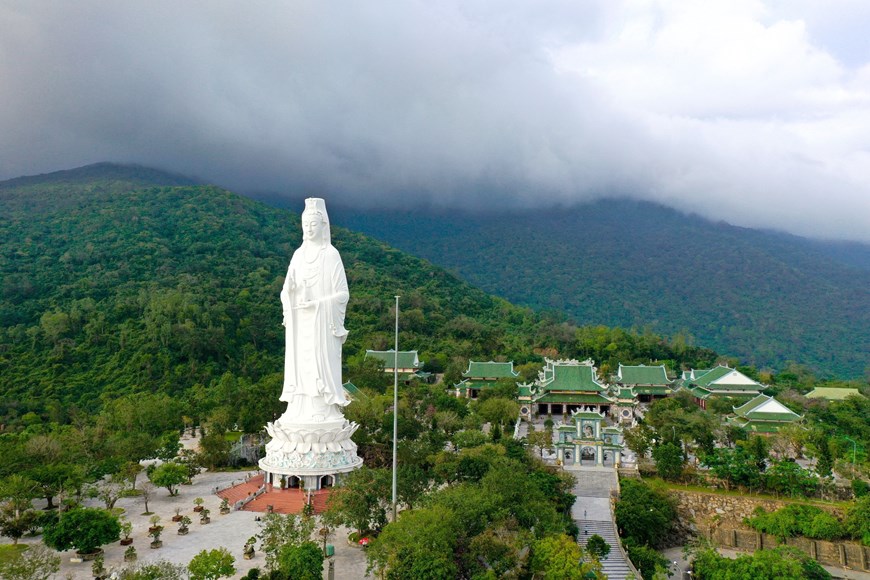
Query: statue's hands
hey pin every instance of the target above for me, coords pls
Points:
(305, 304)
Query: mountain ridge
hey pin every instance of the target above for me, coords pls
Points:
(109, 287)
(767, 297)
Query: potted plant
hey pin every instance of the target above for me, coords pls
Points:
(203, 516)
(177, 516)
(197, 504)
(126, 529)
(249, 548)
(182, 526)
(130, 554)
(155, 536)
(98, 568)
(225, 506)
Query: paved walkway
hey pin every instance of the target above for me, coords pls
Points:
(591, 512)
(230, 531)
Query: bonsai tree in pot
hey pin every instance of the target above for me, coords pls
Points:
(98, 568)
(203, 516)
(182, 526)
(155, 536)
(197, 504)
(130, 554)
(155, 523)
(225, 506)
(126, 529)
(177, 516)
(249, 548)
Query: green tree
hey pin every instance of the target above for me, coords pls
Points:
(648, 561)
(558, 557)
(84, 529)
(361, 501)
(789, 478)
(16, 512)
(644, 514)
(669, 461)
(420, 544)
(278, 531)
(597, 547)
(301, 562)
(782, 562)
(214, 450)
(824, 457)
(639, 439)
(169, 475)
(498, 411)
(858, 520)
(212, 564)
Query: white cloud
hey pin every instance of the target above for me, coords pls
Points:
(752, 112)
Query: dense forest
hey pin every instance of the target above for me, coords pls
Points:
(118, 280)
(136, 305)
(768, 298)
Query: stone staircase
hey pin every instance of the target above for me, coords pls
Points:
(614, 566)
(592, 514)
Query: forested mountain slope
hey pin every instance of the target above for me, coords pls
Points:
(123, 279)
(768, 298)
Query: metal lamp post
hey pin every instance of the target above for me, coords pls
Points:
(395, 404)
(854, 452)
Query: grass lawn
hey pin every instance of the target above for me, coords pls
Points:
(233, 436)
(9, 551)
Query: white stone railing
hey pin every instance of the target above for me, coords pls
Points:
(245, 500)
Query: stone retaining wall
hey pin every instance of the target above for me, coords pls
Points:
(720, 519)
(846, 554)
(712, 508)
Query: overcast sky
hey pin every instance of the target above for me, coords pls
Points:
(756, 113)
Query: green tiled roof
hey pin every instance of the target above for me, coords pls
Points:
(524, 391)
(407, 358)
(626, 393)
(490, 370)
(354, 392)
(722, 379)
(642, 375)
(574, 399)
(764, 408)
(561, 376)
(833, 393)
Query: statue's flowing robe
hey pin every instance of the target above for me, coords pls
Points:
(315, 335)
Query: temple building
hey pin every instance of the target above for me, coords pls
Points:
(584, 436)
(833, 393)
(624, 405)
(648, 383)
(407, 361)
(562, 387)
(763, 415)
(483, 375)
(721, 381)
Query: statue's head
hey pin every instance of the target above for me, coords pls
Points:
(315, 221)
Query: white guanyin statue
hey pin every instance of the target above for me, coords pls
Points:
(312, 436)
(314, 298)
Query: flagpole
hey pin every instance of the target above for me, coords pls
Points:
(395, 404)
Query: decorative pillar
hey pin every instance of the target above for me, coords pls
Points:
(599, 456)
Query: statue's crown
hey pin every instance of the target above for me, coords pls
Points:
(315, 204)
